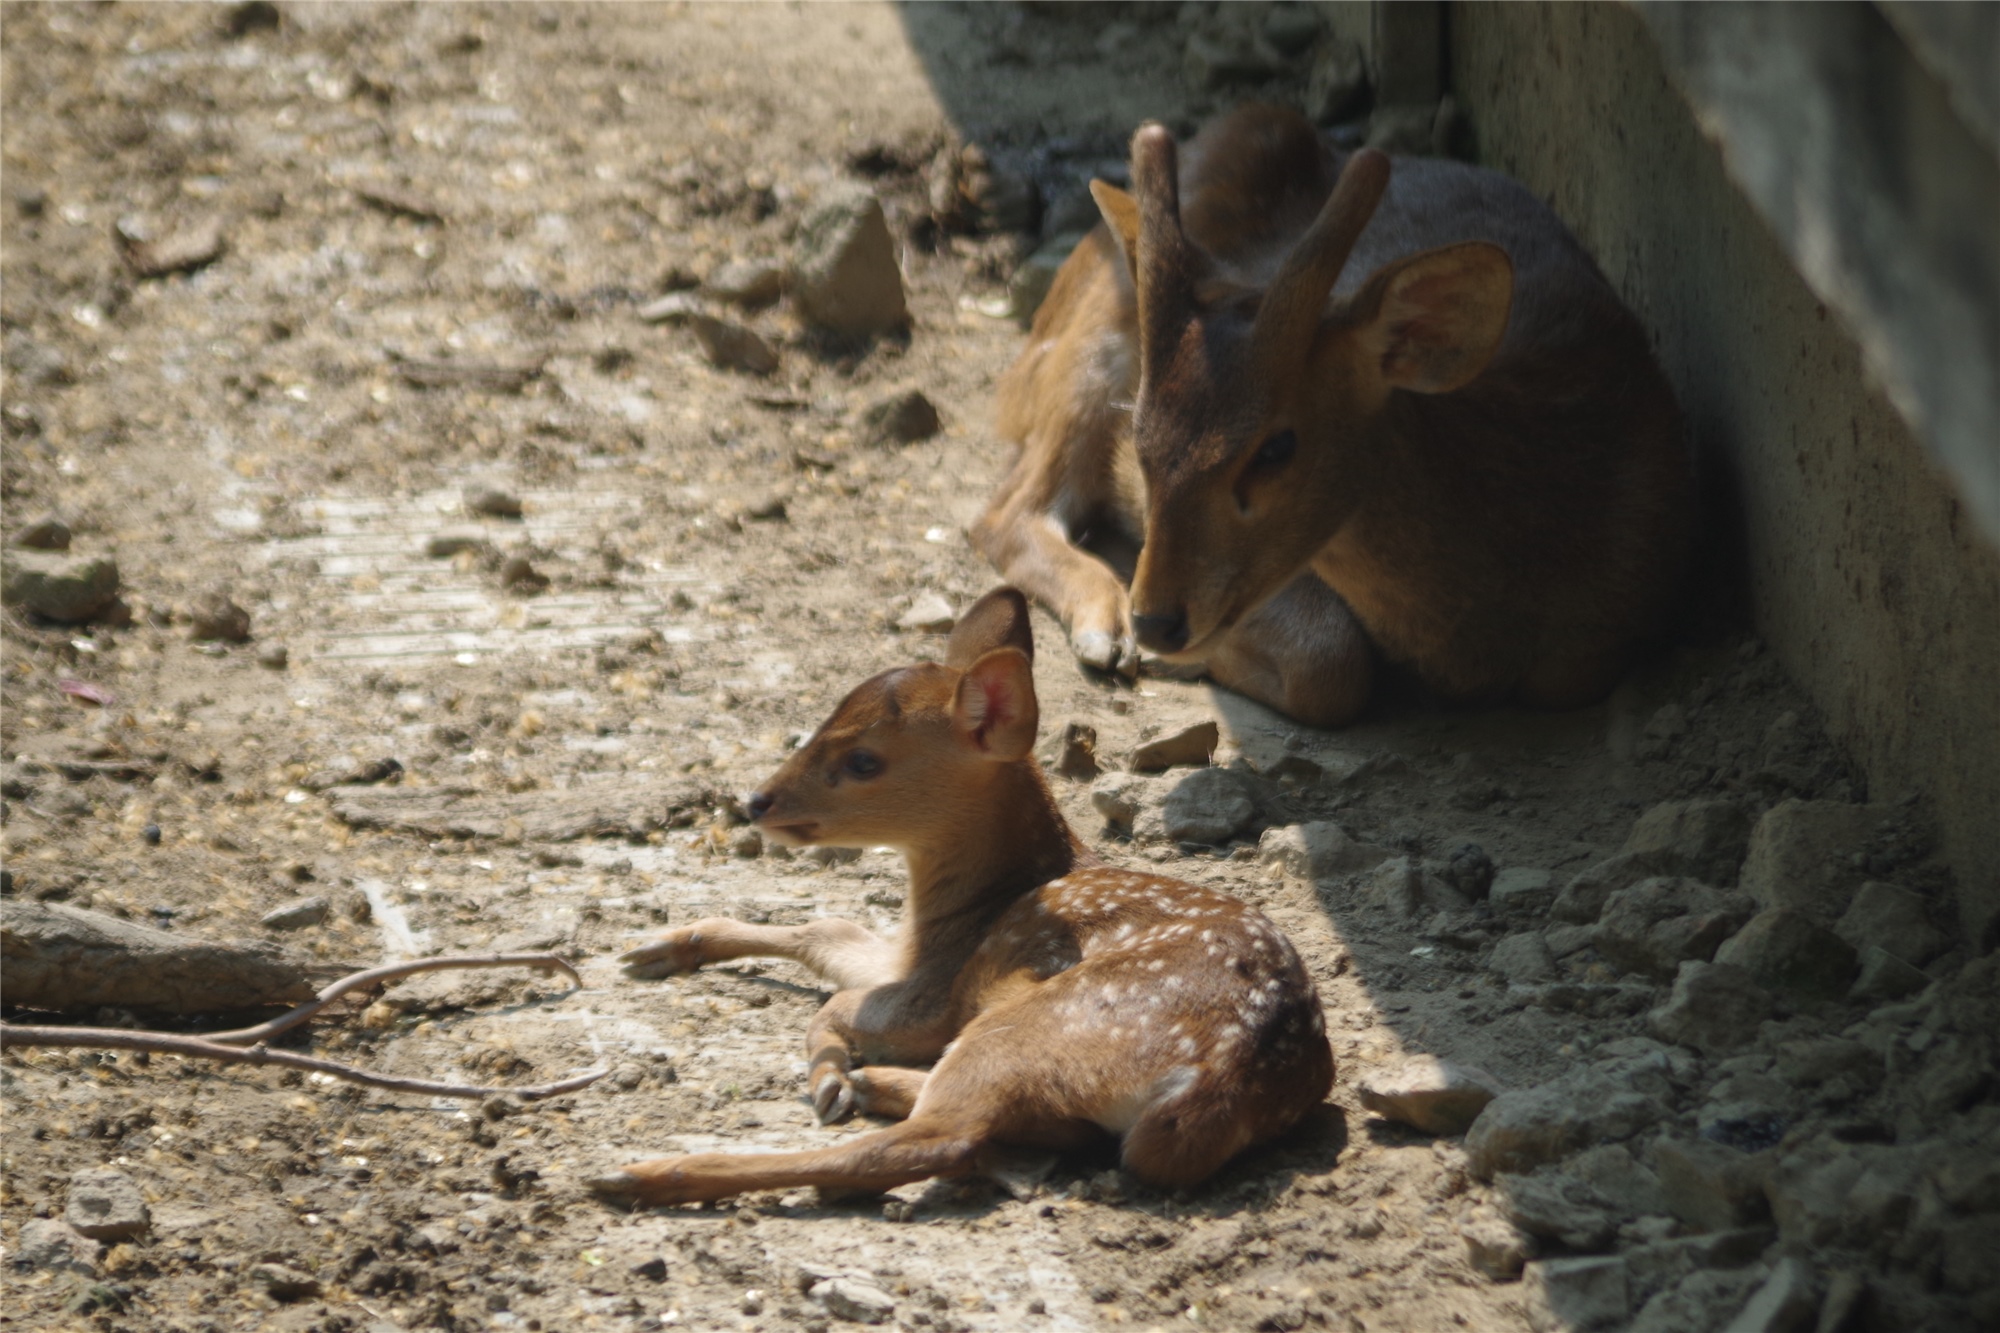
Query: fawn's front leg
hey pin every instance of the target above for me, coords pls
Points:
(860, 1044)
(846, 954)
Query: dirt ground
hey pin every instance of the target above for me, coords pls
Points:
(721, 557)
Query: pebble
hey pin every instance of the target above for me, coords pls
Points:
(904, 417)
(747, 844)
(1576, 1295)
(1521, 891)
(845, 277)
(274, 656)
(1209, 806)
(1519, 1131)
(297, 915)
(1803, 855)
(1884, 976)
(1657, 924)
(1786, 950)
(832, 856)
(1559, 1207)
(1713, 1007)
(769, 507)
(1496, 1246)
(1582, 900)
(47, 533)
(184, 250)
(847, 1298)
(445, 545)
(673, 308)
(1074, 754)
(1433, 1095)
(1190, 746)
(732, 346)
(59, 586)
(1884, 916)
(930, 613)
(214, 618)
(1711, 1187)
(1316, 851)
(517, 571)
(1469, 870)
(47, 1243)
(751, 283)
(105, 1204)
(1703, 839)
(284, 1283)
(1122, 798)
(1524, 959)
(486, 502)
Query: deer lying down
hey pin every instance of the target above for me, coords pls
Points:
(1402, 413)
(1060, 999)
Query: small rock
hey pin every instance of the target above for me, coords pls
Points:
(845, 277)
(1559, 1207)
(1657, 924)
(1469, 870)
(750, 283)
(1216, 62)
(240, 20)
(1695, 1302)
(1786, 950)
(1496, 1246)
(1575, 1295)
(47, 533)
(1884, 976)
(184, 250)
(445, 545)
(214, 618)
(274, 656)
(847, 1298)
(1316, 851)
(1521, 892)
(106, 1205)
(1076, 751)
(1786, 1303)
(1519, 1131)
(747, 844)
(297, 915)
(653, 1269)
(1713, 1007)
(1885, 917)
(930, 613)
(489, 502)
(832, 856)
(673, 308)
(732, 346)
(1524, 959)
(47, 1243)
(1190, 746)
(1617, 1176)
(1433, 1095)
(283, 1283)
(1121, 798)
(517, 571)
(1711, 1187)
(1210, 806)
(767, 508)
(65, 588)
(1564, 940)
(1704, 840)
(1399, 884)
(1582, 900)
(1803, 855)
(904, 417)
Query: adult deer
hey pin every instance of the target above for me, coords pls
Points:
(1349, 406)
(1060, 999)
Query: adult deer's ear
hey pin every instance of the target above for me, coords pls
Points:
(1434, 320)
(995, 709)
(997, 620)
(1121, 214)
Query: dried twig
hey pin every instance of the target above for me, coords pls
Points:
(217, 1045)
(167, 1043)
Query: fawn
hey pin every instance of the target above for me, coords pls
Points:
(1059, 998)
(1347, 407)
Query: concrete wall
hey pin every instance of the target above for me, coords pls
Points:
(1864, 571)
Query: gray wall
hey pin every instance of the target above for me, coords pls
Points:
(1865, 572)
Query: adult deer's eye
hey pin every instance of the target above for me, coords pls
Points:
(1277, 450)
(862, 764)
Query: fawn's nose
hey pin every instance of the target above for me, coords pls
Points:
(758, 804)
(1162, 634)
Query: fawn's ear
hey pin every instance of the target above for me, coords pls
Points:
(995, 707)
(997, 620)
(1121, 214)
(1434, 320)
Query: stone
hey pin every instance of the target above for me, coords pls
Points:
(904, 417)
(1337, 87)
(1495, 1246)
(1523, 959)
(1658, 924)
(1520, 891)
(1803, 855)
(1433, 1095)
(844, 276)
(284, 1283)
(47, 533)
(1557, 1206)
(1469, 870)
(1704, 840)
(971, 192)
(728, 345)
(1074, 752)
(297, 915)
(1711, 1187)
(445, 545)
(750, 283)
(1618, 1176)
(1713, 1007)
(1582, 900)
(490, 502)
(274, 656)
(930, 613)
(673, 308)
(519, 572)
(61, 587)
(1787, 950)
(1564, 940)
(1575, 1295)
(1519, 1131)
(1884, 976)
(1124, 799)
(214, 618)
(747, 844)
(1188, 747)
(47, 1243)
(847, 1298)
(1315, 852)
(67, 958)
(1697, 1302)
(105, 1204)
(1398, 883)
(1290, 29)
(1885, 917)
(1214, 61)
(1788, 1302)
(1209, 805)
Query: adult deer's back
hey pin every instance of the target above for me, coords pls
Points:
(1398, 390)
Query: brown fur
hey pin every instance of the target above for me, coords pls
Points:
(1059, 999)
(1488, 473)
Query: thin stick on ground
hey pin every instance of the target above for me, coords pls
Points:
(247, 1045)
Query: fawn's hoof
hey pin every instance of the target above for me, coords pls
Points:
(613, 1185)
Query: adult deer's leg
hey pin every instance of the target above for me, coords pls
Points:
(1302, 653)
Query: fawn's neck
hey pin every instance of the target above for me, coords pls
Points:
(1009, 838)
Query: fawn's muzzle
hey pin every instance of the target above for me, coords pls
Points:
(758, 804)
(1162, 633)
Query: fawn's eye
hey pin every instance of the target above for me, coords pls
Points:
(862, 764)
(1277, 450)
